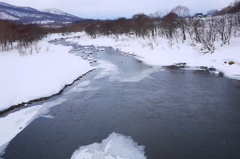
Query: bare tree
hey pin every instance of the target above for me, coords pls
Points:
(198, 29)
(225, 26)
(182, 13)
(170, 23)
(141, 24)
(37, 47)
(91, 30)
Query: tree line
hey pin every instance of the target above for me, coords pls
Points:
(175, 25)
(20, 34)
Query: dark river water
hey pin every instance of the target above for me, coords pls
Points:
(174, 113)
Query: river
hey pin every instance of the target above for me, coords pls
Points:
(174, 113)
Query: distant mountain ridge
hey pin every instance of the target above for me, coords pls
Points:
(56, 11)
(31, 15)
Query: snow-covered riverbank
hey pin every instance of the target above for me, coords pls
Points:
(162, 52)
(29, 77)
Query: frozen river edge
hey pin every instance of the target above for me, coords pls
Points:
(43, 98)
(217, 63)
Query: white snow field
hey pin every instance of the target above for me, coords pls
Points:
(116, 146)
(162, 52)
(29, 77)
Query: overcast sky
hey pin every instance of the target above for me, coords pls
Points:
(110, 9)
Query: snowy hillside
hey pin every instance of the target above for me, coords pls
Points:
(5, 16)
(31, 15)
(11, 7)
(56, 11)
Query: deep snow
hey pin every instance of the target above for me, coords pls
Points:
(29, 77)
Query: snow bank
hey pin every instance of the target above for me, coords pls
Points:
(226, 59)
(24, 78)
(160, 51)
(116, 146)
(14, 123)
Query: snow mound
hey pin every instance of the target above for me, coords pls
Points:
(116, 146)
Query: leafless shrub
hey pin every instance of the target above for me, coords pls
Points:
(22, 51)
(30, 49)
(225, 30)
(37, 47)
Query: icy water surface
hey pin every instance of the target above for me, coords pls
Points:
(166, 113)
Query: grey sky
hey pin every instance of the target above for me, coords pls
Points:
(109, 9)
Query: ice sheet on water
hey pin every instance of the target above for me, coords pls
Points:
(109, 69)
(84, 83)
(83, 86)
(112, 70)
(14, 123)
(2, 149)
(116, 146)
(141, 75)
(47, 116)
